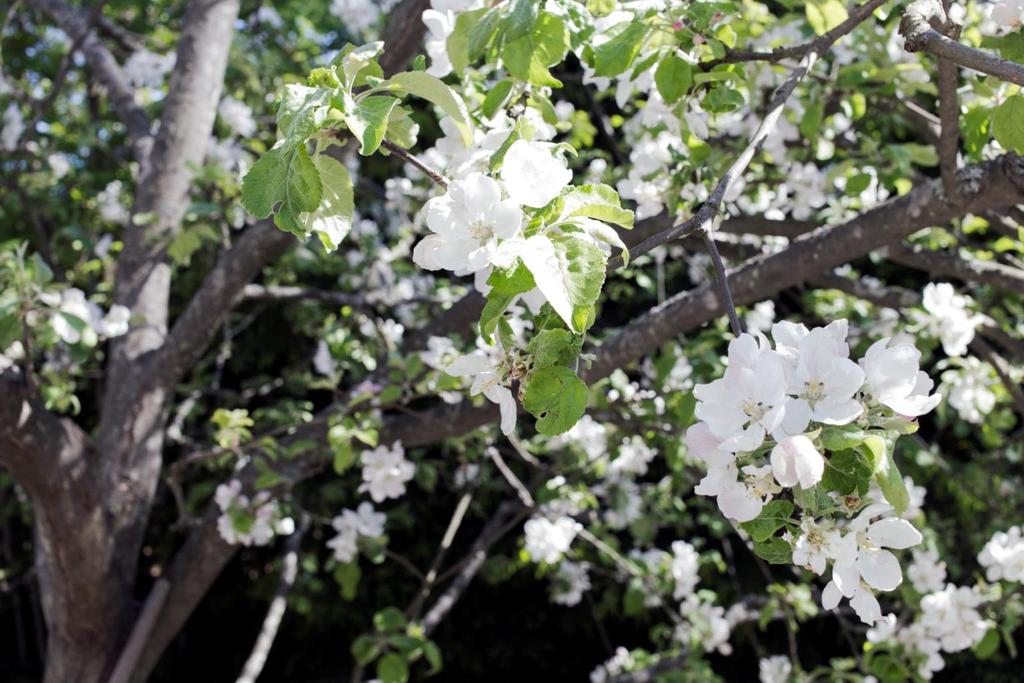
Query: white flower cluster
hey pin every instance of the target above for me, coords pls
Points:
(146, 70)
(248, 521)
(385, 472)
(570, 582)
(706, 625)
(548, 540)
(807, 379)
(353, 524)
(77, 320)
(775, 669)
(238, 116)
(968, 389)
(947, 318)
(1003, 556)
(13, 127)
(109, 203)
(357, 15)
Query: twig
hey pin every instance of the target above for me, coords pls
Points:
(507, 516)
(949, 115)
(275, 613)
(723, 284)
(918, 27)
(511, 478)
(430, 579)
(406, 156)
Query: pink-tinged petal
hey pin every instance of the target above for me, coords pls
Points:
(880, 569)
(894, 533)
(739, 504)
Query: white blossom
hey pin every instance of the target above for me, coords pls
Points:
(863, 563)
(1003, 556)
(775, 669)
(893, 378)
(795, 460)
(488, 379)
(748, 402)
(467, 222)
(948, 318)
(109, 203)
(385, 472)
(927, 573)
(13, 127)
(532, 174)
(238, 116)
(570, 582)
(356, 15)
(350, 525)
(548, 540)
(951, 616)
(684, 568)
(249, 522)
(968, 389)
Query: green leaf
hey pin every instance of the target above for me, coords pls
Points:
(432, 653)
(392, 669)
(332, 220)
(774, 551)
(673, 77)
(506, 284)
(773, 517)
(369, 121)
(810, 122)
(402, 129)
(284, 177)
(521, 19)
(825, 15)
(1010, 46)
(434, 90)
(988, 645)
(301, 111)
(556, 397)
(846, 472)
(1008, 124)
(615, 56)
(496, 98)
(354, 60)
(365, 648)
(347, 576)
(891, 482)
(389, 620)
(457, 42)
(569, 269)
(721, 99)
(596, 201)
(554, 347)
(529, 56)
(842, 438)
(484, 32)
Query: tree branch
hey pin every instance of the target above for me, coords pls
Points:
(970, 270)
(923, 24)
